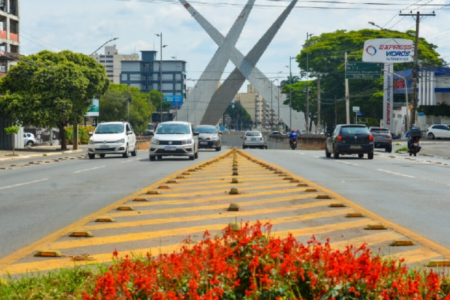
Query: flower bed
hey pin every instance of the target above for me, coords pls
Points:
(251, 264)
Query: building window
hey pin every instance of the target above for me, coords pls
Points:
(109, 56)
(109, 61)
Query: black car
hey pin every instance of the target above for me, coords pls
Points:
(350, 139)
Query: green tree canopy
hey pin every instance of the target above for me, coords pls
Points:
(239, 116)
(113, 106)
(325, 54)
(51, 88)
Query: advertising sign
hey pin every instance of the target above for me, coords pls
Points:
(94, 109)
(355, 108)
(360, 70)
(388, 51)
(388, 96)
(174, 100)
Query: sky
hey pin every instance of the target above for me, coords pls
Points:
(84, 25)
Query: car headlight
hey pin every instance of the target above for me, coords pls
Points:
(214, 138)
(91, 142)
(187, 142)
(155, 142)
(121, 141)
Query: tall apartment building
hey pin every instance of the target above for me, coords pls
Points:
(112, 61)
(145, 75)
(9, 32)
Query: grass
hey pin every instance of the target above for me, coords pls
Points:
(402, 149)
(62, 284)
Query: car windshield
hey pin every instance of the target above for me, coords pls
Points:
(206, 130)
(109, 129)
(379, 130)
(172, 129)
(253, 133)
(354, 130)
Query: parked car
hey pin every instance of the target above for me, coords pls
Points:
(29, 139)
(174, 139)
(382, 138)
(209, 137)
(438, 131)
(112, 138)
(253, 139)
(350, 139)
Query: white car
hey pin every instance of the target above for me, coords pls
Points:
(438, 131)
(112, 138)
(174, 139)
(29, 139)
(253, 139)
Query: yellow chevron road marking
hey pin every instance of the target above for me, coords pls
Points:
(372, 239)
(234, 214)
(202, 208)
(214, 188)
(414, 256)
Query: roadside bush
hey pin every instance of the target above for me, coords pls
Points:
(250, 264)
(83, 134)
(402, 149)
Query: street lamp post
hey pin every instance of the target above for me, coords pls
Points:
(406, 96)
(278, 118)
(271, 104)
(160, 74)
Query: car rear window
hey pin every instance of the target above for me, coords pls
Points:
(379, 130)
(253, 133)
(354, 130)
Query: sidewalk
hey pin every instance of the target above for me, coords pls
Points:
(37, 151)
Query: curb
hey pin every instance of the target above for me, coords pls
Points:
(41, 154)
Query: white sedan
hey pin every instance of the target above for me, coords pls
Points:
(438, 131)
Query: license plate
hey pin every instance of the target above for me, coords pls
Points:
(170, 148)
(203, 143)
(355, 147)
(415, 144)
(253, 139)
(104, 146)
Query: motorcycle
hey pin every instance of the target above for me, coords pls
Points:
(414, 147)
(293, 143)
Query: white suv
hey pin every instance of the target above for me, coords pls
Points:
(112, 138)
(174, 139)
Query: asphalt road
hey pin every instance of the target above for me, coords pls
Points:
(38, 199)
(410, 192)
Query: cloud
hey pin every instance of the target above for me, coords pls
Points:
(84, 25)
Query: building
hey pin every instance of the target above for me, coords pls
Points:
(433, 88)
(112, 61)
(145, 75)
(259, 108)
(9, 33)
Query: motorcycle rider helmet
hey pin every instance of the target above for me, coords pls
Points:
(293, 130)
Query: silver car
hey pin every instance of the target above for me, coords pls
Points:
(174, 139)
(209, 137)
(253, 139)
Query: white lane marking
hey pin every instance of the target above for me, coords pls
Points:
(128, 161)
(393, 173)
(20, 184)
(85, 170)
(301, 153)
(347, 163)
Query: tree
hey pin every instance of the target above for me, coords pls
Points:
(239, 115)
(113, 106)
(155, 99)
(325, 55)
(13, 130)
(51, 88)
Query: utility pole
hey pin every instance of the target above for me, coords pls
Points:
(415, 68)
(318, 102)
(347, 96)
(128, 102)
(290, 93)
(307, 85)
(335, 111)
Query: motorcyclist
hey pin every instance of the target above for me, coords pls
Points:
(412, 139)
(293, 135)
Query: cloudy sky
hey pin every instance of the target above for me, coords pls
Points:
(84, 25)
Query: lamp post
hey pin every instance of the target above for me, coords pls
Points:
(290, 91)
(406, 96)
(278, 118)
(160, 74)
(271, 104)
(308, 35)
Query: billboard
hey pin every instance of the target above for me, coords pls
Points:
(388, 51)
(174, 100)
(94, 109)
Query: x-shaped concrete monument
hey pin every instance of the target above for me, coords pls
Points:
(212, 109)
